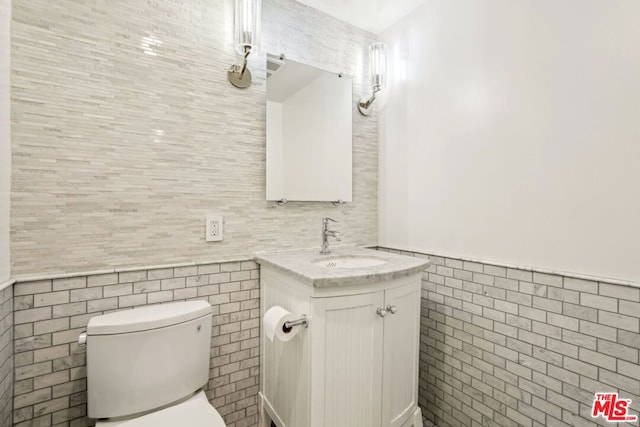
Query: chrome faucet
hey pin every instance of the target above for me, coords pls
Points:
(324, 250)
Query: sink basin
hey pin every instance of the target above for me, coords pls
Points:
(346, 261)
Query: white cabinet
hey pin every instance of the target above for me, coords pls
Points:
(401, 355)
(346, 351)
(357, 363)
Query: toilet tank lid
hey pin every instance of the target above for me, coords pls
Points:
(146, 318)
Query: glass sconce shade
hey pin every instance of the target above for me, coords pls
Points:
(247, 25)
(378, 66)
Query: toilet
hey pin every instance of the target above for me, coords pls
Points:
(146, 367)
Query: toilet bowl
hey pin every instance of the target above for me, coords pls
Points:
(147, 367)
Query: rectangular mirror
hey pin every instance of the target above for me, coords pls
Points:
(309, 147)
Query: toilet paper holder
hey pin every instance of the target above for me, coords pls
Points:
(302, 321)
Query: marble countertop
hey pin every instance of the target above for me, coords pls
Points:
(301, 265)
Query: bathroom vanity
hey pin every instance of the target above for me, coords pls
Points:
(356, 364)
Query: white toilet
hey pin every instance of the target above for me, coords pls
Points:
(146, 367)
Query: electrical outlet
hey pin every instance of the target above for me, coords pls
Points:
(214, 228)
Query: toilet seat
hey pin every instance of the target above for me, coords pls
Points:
(194, 412)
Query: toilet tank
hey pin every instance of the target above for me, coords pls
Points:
(141, 359)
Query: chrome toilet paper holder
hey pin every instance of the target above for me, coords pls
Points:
(302, 321)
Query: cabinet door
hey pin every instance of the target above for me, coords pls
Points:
(401, 353)
(346, 354)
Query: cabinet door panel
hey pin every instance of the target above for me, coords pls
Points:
(346, 349)
(401, 352)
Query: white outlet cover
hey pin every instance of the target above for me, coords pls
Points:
(214, 228)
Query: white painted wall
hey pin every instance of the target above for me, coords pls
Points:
(5, 145)
(510, 132)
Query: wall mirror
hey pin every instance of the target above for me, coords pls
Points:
(309, 135)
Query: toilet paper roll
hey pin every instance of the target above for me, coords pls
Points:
(274, 320)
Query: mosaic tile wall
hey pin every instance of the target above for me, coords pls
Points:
(126, 133)
(508, 347)
(50, 371)
(5, 139)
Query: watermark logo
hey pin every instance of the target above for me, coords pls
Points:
(612, 408)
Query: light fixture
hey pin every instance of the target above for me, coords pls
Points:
(377, 75)
(246, 39)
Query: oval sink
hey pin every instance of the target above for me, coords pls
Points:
(348, 262)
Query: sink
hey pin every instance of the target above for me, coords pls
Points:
(346, 261)
(346, 266)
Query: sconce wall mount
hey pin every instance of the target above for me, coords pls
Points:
(239, 75)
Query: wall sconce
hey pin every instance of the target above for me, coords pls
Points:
(246, 38)
(377, 75)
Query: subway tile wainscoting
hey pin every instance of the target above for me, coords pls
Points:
(50, 376)
(6, 354)
(507, 347)
(499, 346)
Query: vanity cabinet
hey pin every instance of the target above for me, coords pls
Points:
(365, 366)
(356, 365)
